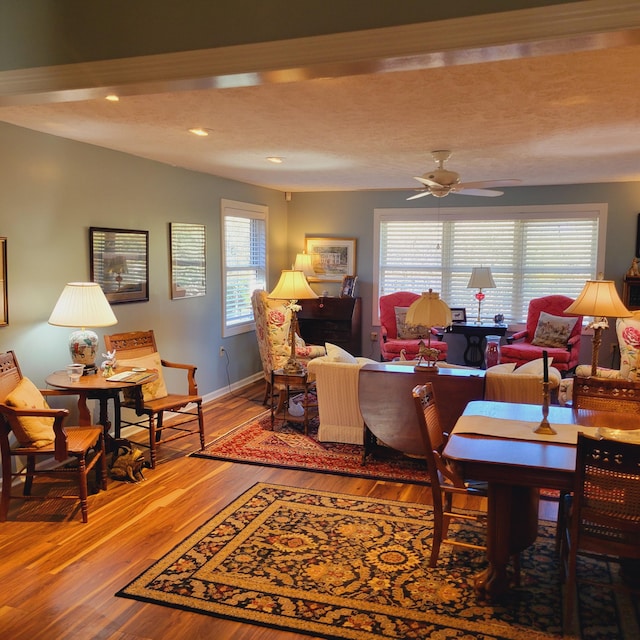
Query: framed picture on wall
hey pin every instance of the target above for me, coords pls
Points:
(348, 288)
(332, 258)
(188, 260)
(120, 263)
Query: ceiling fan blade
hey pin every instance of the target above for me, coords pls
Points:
(478, 192)
(427, 182)
(426, 192)
(481, 184)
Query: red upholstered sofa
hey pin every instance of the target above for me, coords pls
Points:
(565, 358)
(390, 344)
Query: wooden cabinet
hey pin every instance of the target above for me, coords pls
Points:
(335, 320)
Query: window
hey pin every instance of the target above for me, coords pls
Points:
(244, 262)
(532, 252)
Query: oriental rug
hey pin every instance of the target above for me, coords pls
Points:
(347, 567)
(288, 447)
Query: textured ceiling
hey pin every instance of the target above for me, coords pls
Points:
(553, 119)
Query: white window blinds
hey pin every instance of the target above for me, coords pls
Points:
(244, 239)
(532, 252)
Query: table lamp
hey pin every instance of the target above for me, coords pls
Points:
(599, 299)
(428, 311)
(292, 286)
(82, 305)
(304, 263)
(480, 279)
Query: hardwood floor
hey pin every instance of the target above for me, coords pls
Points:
(59, 576)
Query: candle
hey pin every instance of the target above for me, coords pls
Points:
(545, 360)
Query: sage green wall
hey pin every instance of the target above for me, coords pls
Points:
(52, 190)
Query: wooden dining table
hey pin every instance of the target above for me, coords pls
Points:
(495, 442)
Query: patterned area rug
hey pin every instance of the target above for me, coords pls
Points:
(288, 447)
(346, 567)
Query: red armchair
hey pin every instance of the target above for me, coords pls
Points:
(390, 344)
(565, 357)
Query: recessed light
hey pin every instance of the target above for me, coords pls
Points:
(275, 159)
(112, 98)
(197, 131)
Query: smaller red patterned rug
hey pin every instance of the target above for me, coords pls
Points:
(287, 447)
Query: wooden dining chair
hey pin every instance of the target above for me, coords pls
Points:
(446, 481)
(603, 519)
(41, 436)
(138, 349)
(606, 394)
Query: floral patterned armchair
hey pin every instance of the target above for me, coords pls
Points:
(272, 320)
(628, 332)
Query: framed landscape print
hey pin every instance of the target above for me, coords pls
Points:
(332, 258)
(188, 262)
(120, 263)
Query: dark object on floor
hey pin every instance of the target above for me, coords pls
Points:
(128, 462)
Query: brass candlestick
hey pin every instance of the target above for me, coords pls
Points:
(544, 426)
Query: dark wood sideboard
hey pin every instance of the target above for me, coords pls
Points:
(335, 320)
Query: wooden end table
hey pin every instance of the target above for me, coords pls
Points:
(475, 335)
(297, 382)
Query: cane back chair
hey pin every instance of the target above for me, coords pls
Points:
(604, 514)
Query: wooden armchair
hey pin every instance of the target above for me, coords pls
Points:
(41, 436)
(138, 349)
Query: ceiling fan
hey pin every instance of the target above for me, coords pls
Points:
(441, 182)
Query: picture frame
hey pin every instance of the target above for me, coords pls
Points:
(188, 260)
(4, 298)
(631, 293)
(119, 261)
(332, 258)
(348, 288)
(458, 314)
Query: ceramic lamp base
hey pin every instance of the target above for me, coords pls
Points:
(83, 346)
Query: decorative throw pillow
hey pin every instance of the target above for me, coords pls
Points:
(505, 367)
(533, 367)
(30, 431)
(152, 390)
(337, 354)
(553, 331)
(405, 332)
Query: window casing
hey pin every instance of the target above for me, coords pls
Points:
(244, 262)
(532, 252)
